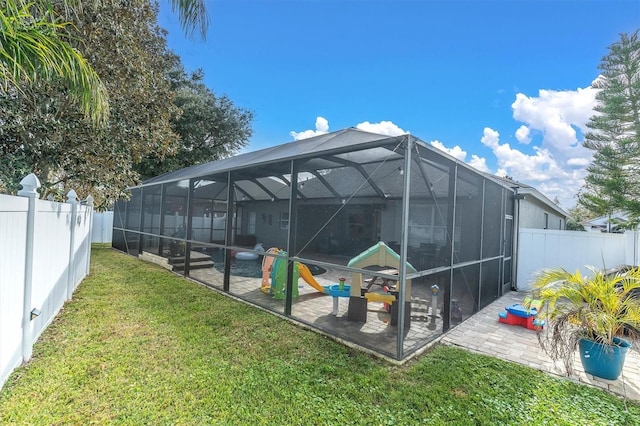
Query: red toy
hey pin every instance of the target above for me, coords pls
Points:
(517, 314)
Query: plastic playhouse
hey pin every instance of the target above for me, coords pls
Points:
(379, 255)
(519, 314)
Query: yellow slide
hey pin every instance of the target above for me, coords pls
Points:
(307, 276)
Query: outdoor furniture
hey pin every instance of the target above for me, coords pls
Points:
(383, 280)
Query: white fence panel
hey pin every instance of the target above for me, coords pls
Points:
(59, 254)
(13, 225)
(50, 260)
(572, 250)
(102, 229)
(633, 254)
(84, 223)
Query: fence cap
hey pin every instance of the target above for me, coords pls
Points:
(89, 200)
(30, 185)
(72, 197)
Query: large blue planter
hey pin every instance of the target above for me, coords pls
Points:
(603, 361)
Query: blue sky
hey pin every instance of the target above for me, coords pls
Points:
(503, 85)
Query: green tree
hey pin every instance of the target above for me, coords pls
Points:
(35, 46)
(578, 214)
(209, 127)
(611, 182)
(43, 132)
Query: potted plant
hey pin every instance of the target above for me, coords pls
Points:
(598, 314)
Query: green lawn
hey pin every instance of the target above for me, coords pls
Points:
(139, 345)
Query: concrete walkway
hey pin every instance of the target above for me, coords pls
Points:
(482, 333)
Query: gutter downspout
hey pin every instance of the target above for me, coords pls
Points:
(516, 239)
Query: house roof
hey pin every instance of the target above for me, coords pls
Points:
(525, 189)
(602, 221)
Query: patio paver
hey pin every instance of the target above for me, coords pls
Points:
(482, 333)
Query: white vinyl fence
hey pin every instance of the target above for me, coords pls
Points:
(572, 250)
(102, 230)
(44, 255)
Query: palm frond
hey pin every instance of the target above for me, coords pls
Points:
(192, 15)
(598, 307)
(32, 48)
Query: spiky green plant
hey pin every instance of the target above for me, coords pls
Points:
(597, 307)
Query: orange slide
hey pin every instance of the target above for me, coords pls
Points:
(307, 276)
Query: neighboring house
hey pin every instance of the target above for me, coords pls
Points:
(535, 210)
(608, 223)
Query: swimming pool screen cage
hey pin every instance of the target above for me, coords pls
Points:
(422, 239)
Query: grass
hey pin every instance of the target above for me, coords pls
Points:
(139, 345)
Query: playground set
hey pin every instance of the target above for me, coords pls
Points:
(274, 275)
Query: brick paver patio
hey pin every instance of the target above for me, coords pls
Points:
(482, 333)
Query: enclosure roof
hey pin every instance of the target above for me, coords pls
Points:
(309, 147)
(334, 165)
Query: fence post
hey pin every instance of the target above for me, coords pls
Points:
(30, 185)
(72, 198)
(89, 203)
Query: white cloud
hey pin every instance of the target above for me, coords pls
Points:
(540, 170)
(383, 127)
(558, 164)
(490, 138)
(578, 162)
(456, 151)
(322, 127)
(479, 163)
(555, 166)
(523, 134)
(557, 115)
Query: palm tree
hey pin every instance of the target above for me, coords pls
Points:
(33, 47)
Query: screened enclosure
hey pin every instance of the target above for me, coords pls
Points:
(381, 241)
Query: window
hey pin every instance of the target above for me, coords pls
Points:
(546, 221)
(284, 220)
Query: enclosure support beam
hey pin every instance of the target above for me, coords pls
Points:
(451, 223)
(478, 295)
(163, 196)
(326, 184)
(362, 171)
(402, 275)
(291, 235)
(187, 249)
(228, 229)
(265, 189)
(245, 193)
